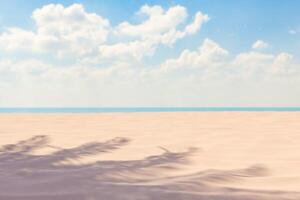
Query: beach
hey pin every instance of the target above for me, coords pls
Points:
(159, 155)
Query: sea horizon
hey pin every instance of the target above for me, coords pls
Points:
(143, 109)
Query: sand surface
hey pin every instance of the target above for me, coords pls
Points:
(196, 155)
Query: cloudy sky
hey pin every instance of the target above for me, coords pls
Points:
(149, 53)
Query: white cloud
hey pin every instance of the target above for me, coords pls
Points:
(17, 39)
(161, 27)
(252, 64)
(20, 71)
(173, 35)
(28, 65)
(195, 26)
(60, 30)
(255, 64)
(212, 60)
(135, 49)
(163, 23)
(253, 59)
(71, 31)
(105, 68)
(284, 63)
(208, 55)
(72, 24)
(259, 44)
(159, 21)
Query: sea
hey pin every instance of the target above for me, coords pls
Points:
(145, 109)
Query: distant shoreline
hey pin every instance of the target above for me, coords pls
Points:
(147, 109)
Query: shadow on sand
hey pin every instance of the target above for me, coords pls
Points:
(26, 176)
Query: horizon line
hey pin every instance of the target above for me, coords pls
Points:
(142, 109)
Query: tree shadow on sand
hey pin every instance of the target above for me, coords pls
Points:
(24, 175)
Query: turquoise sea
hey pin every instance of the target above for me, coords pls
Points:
(147, 109)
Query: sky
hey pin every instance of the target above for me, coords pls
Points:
(150, 53)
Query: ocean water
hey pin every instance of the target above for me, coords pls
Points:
(148, 109)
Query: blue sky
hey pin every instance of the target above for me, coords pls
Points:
(227, 38)
(235, 23)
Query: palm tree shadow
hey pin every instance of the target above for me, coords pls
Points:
(24, 175)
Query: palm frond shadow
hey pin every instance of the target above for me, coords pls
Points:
(24, 175)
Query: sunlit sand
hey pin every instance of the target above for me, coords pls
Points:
(196, 155)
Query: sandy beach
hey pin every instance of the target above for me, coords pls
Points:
(188, 155)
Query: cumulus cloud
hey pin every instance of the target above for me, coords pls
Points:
(60, 30)
(209, 54)
(211, 58)
(284, 63)
(135, 49)
(253, 59)
(160, 27)
(173, 35)
(20, 71)
(259, 45)
(200, 18)
(162, 22)
(73, 51)
(159, 21)
(255, 64)
(72, 31)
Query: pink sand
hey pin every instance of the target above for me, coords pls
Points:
(196, 155)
